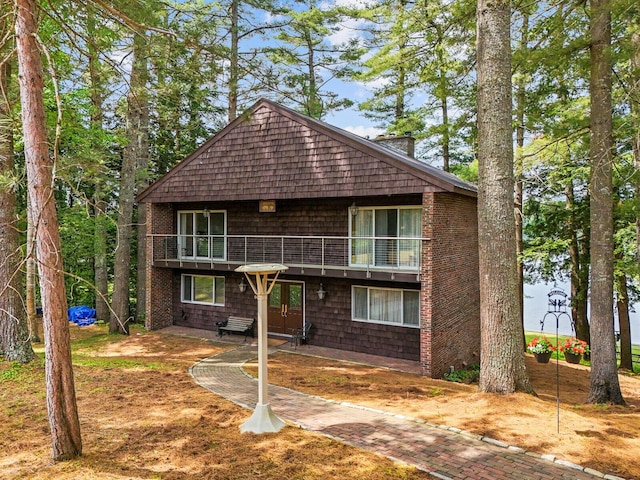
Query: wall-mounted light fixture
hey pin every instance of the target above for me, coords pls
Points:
(267, 206)
(242, 285)
(321, 292)
(205, 213)
(353, 209)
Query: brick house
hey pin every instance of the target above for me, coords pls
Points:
(391, 240)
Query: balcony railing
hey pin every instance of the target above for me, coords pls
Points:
(396, 254)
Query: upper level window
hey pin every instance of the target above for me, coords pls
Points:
(202, 289)
(386, 237)
(202, 234)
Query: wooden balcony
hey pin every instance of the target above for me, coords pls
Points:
(382, 258)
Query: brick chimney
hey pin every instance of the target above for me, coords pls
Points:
(404, 143)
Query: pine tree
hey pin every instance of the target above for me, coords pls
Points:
(61, 398)
(502, 368)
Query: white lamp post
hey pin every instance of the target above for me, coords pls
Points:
(263, 419)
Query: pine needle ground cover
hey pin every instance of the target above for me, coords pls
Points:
(602, 437)
(143, 417)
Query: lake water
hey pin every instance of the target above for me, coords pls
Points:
(536, 305)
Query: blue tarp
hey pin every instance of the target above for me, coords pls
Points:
(82, 315)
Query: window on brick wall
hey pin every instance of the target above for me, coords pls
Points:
(202, 289)
(202, 234)
(386, 305)
(386, 237)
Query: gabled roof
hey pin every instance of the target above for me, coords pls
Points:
(273, 152)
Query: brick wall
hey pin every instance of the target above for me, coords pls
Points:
(452, 333)
(158, 308)
(426, 285)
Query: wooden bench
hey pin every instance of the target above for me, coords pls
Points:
(240, 325)
(299, 335)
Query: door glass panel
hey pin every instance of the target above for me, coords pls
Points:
(361, 248)
(186, 234)
(216, 227)
(295, 297)
(203, 246)
(386, 226)
(216, 222)
(202, 230)
(275, 296)
(202, 224)
(410, 226)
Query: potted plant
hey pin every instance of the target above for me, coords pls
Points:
(541, 349)
(574, 349)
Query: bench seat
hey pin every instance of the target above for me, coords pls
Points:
(239, 325)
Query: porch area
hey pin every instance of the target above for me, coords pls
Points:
(279, 343)
(383, 258)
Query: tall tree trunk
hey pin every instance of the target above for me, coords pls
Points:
(444, 107)
(30, 261)
(100, 231)
(233, 62)
(519, 198)
(635, 109)
(61, 397)
(442, 93)
(101, 274)
(135, 155)
(314, 104)
(622, 304)
(502, 367)
(605, 386)
(579, 279)
(14, 332)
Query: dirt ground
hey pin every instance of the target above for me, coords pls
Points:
(143, 417)
(602, 437)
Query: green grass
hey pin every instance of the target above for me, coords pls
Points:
(85, 352)
(107, 363)
(635, 349)
(11, 373)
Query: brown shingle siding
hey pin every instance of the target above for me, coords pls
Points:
(284, 157)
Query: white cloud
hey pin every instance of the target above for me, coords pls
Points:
(349, 29)
(371, 85)
(353, 3)
(365, 132)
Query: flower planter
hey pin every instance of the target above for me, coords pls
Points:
(542, 357)
(572, 357)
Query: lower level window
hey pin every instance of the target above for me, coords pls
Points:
(386, 305)
(203, 289)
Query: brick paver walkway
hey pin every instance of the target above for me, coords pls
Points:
(445, 453)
